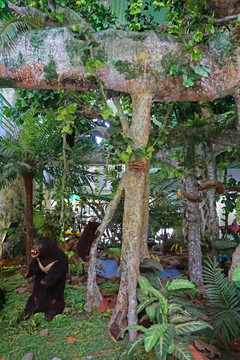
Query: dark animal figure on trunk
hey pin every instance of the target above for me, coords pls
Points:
(86, 240)
(49, 266)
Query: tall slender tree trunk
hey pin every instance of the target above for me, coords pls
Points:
(144, 253)
(28, 185)
(134, 186)
(214, 226)
(193, 216)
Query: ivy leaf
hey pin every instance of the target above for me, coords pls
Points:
(198, 36)
(124, 156)
(99, 64)
(90, 66)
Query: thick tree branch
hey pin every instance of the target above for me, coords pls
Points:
(70, 16)
(226, 18)
(165, 157)
(44, 19)
(123, 119)
(55, 59)
(93, 296)
(224, 8)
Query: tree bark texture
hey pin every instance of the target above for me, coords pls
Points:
(144, 253)
(28, 185)
(134, 186)
(193, 216)
(93, 295)
(212, 175)
(54, 58)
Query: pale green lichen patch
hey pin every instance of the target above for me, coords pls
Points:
(168, 60)
(222, 47)
(137, 36)
(131, 70)
(13, 63)
(167, 37)
(101, 55)
(50, 71)
(76, 52)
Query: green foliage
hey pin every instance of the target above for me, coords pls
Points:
(116, 251)
(236, 276)
(4, 11)
(223, 303)
(170, 322)
(13, 26)
(89, 332)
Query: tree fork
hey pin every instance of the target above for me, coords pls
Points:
(134, 186)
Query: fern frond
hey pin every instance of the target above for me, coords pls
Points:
(223, 303)
(218, 288)
(10, 29)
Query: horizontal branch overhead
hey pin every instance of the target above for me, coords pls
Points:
(133, 62)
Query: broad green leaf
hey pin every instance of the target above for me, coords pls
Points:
(146, 286)
(145, 303)
(236, 275)
(151, 263)
(150, 311)
(134, 327)
(99, 64)
(129, 150)
(238, 20)
(124, 156)
(143, 282)
(162, 346)
(171, 347)
(179, 319)
(182, 352)
(191, 326)
(152, 335)
(71, 108)
(178, 284)
(198, 35)
(200, 71)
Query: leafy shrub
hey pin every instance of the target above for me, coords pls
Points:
(169, 322)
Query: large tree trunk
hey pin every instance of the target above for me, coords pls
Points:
(212, 175)
(28, 185)
(144, 253)
(193, 216)
(134, 186)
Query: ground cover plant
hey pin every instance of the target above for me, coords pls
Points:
(73, 335)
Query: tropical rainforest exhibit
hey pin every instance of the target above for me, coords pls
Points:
(119, 209)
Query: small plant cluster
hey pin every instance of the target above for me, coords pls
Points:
(170, 321)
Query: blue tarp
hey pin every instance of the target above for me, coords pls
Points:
(111, 267)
